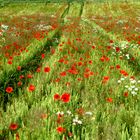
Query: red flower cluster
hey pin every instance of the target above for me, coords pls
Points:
(9, 62)
(63, 73)
(9, 89)
(43, 56)
(65, 97)
(56, 97)
(31, 87)
(13, 126)
(104, 58)
(29, 76)
(60, 129)
(123, 72)
(110, 100)
(47, 69)
(105, 79)
(18, 68)
(125, 94)
(117, 49)
(38, 69)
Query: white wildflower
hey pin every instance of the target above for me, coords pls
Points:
(119, 81)
(61, 113)
(69, 112)
(126, 86)
(88, 113)
(133, 92)
(133, 81)
(132, 86)
(122, 79)
(79, 122)
(136, 89)
(130, 89)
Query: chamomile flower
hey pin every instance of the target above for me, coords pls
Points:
(134, 93)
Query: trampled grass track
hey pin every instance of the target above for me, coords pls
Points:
(39, 44)
(30, 50)
(29, 9)
(9, 72)
(75, 9)
(26, 96)
(135, 64)
(39, 80)
(36, 79)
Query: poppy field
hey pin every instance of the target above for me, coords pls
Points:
(70, 71)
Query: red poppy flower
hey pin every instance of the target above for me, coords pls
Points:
(60, 129)
(7, 54)
(106, 78)
(17, 136)
(107, 58)
(132, 77)
(19, 83)
(73, 71)
(102, 59)
(118, 67)
(86, 75)
(43, 56)
(93, 47)
(63, 73)
(9, 62)
(132, 58)
(47, 69)
(66, 62)
(21, 76)
(10, 58)
(108, 47)
(9, 89)
(52, 50)
(38, 69)
(57, 80)
(61, 60)
(65, 97)
(31, 87)
(110, 100)
(117, 49)
(13, 126)
(87, 70)
(123, 72)
(79, 79)
(29, 76)
(19, 68)
(91, 73)
(56, 96)
(79, 63)
(90, 61)
(125, 94)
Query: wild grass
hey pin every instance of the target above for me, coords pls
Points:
(81, 85)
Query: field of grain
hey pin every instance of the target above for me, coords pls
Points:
(70, 71)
